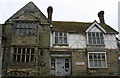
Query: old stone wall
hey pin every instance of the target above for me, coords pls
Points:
(82, 69)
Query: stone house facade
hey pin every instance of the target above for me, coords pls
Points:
(37, 46)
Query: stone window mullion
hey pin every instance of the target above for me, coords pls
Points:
(21, 55)
(17, 55)
(25, 54)
(30, 55)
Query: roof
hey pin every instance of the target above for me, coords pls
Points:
(68, 26)
(29, 10)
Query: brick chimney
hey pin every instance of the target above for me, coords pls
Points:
(50, 11)
(101, 17)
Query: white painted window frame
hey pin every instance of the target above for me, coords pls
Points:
(96, 41)
(96, 53)
(58, 38)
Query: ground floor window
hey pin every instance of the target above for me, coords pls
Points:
(23, 55)
(97, 60)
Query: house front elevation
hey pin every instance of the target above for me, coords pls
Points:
(34, 45)
(83, 49)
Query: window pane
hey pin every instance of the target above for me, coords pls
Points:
(27, 58)
(95, 56)
(65, 40)
(101, 36)
(15, 50)
(60, 34)
(32, 51)
(103, 56)
(23, 58)
(29, 31)
(41, 52)
(66, 65)
(94, 39)
(66, 60)
(90, 56)
(104, 63)
(25, 31)
(56, 33)
(22, 25)
(32, 58)
(21, 32)
(28, 50)
(34, 30)
(56, 40)
(43, 28)
(18, 25)
(52, 60)
(26, 25)
(60, 40)
(98, 38)
(19, 50)
(53, 64)
(18, 58)
(95, 63)
(14, 58)
(34, 25)
(99, 63)
(91, 63)
(30, 25)
(17, 31)
(65, 34)
(89, 38)
(23, 51)
(99, 56)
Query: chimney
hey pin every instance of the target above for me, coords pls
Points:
(101, 17)
(50, 11)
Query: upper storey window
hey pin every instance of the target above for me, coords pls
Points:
(60, 38)
(95, 38)
(26, 28)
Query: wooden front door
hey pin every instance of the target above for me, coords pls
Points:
(60, 66)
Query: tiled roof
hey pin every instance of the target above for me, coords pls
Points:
(77, 26)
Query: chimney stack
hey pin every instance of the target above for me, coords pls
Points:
(50, 11)
(101, 17)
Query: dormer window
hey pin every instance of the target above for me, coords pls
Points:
(60, 38)
(95, 38)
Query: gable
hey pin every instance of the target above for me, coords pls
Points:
(29, 11)
(26, 16)
(95, 27)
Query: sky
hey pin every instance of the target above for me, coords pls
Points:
(67, 10)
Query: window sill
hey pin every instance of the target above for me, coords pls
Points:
(95, 44)
(23, 63)
(97, 67)
(23, 35)
(60, 44)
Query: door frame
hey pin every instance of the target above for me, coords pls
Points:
(60, 55)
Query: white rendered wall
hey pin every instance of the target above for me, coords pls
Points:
(110, 41)
(77, 41)
(95, 29)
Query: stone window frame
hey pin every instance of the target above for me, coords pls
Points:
(101, 59)
(26, 28)
(95, 38)
(18, 55)
(67, 63)
(53, 64)
(43, 27)
(60, 38)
